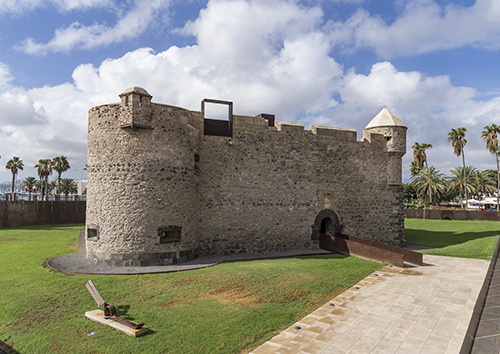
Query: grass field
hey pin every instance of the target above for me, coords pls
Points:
(454, 238)
(227, 308)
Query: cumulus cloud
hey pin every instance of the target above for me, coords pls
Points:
(77, 35)
(281, 69)
(423, 27)
(263, 63)
(20, 6)
(429, 106)
(5, 76)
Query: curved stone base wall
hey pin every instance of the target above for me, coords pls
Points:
(141, 259)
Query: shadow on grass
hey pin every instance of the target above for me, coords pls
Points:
(439, 239)
(321, 256)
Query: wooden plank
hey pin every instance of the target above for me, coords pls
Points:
(95, 294)
(98, 316)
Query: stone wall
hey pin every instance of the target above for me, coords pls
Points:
(159, 191)
(263, 189)
(23, 213)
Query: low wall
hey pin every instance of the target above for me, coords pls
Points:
(24, 213)
(452, 214)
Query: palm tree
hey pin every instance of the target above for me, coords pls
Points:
(490, 135)
(483, 183)
(420, 158)
(68, 186)
(14, 165)
(414, 169)
(29, 184)
(60, 164)
(457, 139)
(430, 178)
(44, 169)
(458, 184)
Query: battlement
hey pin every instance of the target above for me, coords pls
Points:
(242, 124)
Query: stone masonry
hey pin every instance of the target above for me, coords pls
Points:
(164, 188)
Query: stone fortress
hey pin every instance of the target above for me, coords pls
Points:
(166, 184)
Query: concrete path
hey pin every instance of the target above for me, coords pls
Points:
(76, 263)
(407, 310)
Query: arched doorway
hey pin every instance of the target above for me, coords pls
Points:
(326, 222)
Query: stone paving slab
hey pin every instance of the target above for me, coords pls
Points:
(417, 309)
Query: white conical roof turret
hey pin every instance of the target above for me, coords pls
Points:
(385, 118)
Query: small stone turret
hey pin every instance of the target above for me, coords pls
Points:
(136, 108)
(394, 132)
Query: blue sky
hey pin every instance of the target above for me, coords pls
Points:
(433, 63)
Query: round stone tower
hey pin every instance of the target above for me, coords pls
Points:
(142, 200)
(394, 132)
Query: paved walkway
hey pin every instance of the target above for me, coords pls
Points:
(423, 309)
(76, 263)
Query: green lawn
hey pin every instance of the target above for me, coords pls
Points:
(227, 308)
(454, 238)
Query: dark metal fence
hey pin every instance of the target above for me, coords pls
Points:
(452, 214)
(23, 213)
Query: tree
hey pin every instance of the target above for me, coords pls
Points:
(427, 179)
(29, 184)
(457, 183)
(483, 183)
(414, 169)
(457, 139)
(490, 135)
(68, 186)
(420, 159)
(44, 169)
(409, 193)
(60, 164)
(14, 165)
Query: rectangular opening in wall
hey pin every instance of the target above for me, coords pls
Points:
(92, 233)
(217, 117)
(169, 234)
(196, 161)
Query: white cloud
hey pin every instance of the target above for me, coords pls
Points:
(68, 5)
(79, 36)
(21, 6)
(5, 76)
(249, 31)
(423, 27)
(429, 106)
(265, 56)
